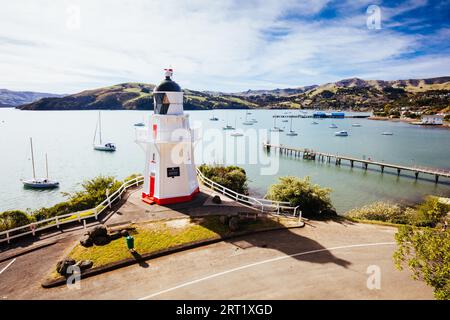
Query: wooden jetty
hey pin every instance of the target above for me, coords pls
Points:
(308, 154)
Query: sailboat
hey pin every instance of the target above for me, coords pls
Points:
(39, 183)
(247, 122)
(237, 133)
(101, 146)
(228, 127)
(213, 118)
(275, 128)
(291, 133)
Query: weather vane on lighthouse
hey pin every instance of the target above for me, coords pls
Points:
(169, 173)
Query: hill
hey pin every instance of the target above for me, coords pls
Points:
(349, 94)
(9, 98)
(133, 96)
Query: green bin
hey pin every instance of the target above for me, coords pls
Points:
(130, 242)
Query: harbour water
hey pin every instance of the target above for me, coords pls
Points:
(66, 136)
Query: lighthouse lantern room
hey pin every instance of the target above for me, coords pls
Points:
(169, 173)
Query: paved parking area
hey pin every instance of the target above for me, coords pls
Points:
(324, 260)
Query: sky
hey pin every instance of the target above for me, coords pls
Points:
(66, 46)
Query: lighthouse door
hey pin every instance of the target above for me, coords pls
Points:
(152, 184)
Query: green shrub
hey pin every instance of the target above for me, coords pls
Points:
(426, 252)
(231, 177)
(430, 212)
(381, 211)
(311, 198)
(14, 218)
(93, 193)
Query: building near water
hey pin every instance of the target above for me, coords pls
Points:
(337, 115)
(169, 172)
(432, 119)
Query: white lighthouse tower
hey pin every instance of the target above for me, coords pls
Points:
(169, 174)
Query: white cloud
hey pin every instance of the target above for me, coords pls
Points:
(213, 45)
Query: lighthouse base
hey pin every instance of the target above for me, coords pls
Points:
(153, 200)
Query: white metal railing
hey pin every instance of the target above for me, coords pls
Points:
(79, 216)
(264, 205)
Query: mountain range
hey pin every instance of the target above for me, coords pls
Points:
(354, 94)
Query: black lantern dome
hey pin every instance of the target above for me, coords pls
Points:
(168, 84)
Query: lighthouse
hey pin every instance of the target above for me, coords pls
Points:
(169, 173)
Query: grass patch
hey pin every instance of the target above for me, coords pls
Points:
(155, 236)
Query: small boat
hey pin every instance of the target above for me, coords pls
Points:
(213, 118)
(275, 128)
(102, 146)
(333, 126)
(228, 127)
(314, 122)
(284, 120)
(247, 122)
(139, 124)
(254, 121)
(342, 133)
(39, 183)
(356, 125)
(291, 132)
(387, 133)
(237, 134)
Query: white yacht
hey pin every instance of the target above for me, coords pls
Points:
(247, 122)
(387, 133)
(333, 126)
(100, 146)
(341, 133)
(275, 128)
(356, 125)
(291, 132)
(39, 183)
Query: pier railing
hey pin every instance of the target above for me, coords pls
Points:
(263, 205)
(80, 216)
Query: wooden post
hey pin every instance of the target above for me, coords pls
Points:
(365, 165)
(96, 213)
(351, 163)
(382, 169)
(398, 172)
(57, 222)
(7, 236)
(84, 223)
(436, 178)
(416, 174)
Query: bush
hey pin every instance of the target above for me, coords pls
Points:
(231, 177)
(14, 218)
(92, 194)
(431, 212)
(311, 198)
(428, 214)
(427, 254)
(381, 211)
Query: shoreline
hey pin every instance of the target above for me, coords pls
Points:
(445, 125)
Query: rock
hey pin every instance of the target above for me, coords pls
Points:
(224, 219)
(85, 264)
(101, 240)
(124, 233)
(234, 223)
(61, 266)
(86, 241)
(98, 231)
(216, 199)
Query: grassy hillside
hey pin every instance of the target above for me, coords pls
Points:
(356, 94)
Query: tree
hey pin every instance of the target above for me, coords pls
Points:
(311, 198)
(426, 252)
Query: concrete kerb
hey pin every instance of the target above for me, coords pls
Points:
(51, 283)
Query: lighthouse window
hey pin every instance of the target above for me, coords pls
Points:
(161, 103)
